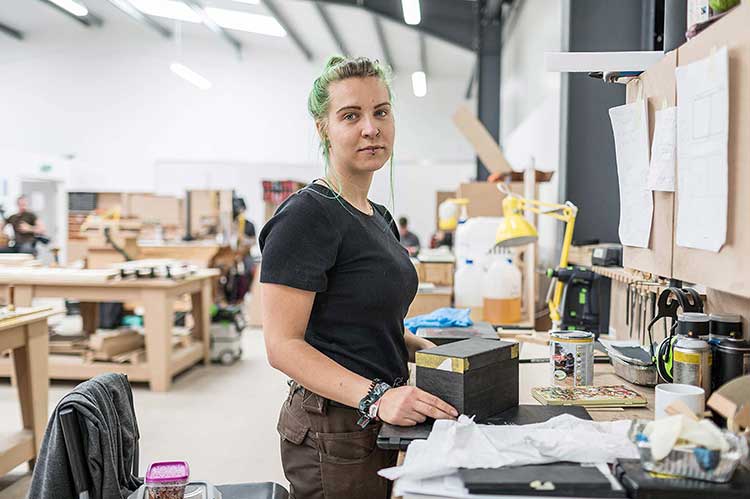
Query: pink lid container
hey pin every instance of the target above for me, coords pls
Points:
(167, 472)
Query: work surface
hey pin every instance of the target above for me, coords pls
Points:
(531, 375)
(157, 296)
(538, 374)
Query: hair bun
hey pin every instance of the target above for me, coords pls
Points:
(334, 60)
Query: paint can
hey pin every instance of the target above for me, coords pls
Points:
(571, 358)
(725, 326)
(693, 324)
(691, 364)
(731, 360)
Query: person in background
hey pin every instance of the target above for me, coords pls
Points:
(26, 226)
(409, 240)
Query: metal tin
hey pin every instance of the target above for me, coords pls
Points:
(693, 324)
(725, 325)
(691, 364)
(571, 358)
(731, 359)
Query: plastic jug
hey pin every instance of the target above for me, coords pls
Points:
(474, 240)
(468, 288)
(501, 292)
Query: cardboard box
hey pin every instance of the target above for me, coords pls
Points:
(485, 200)
(150, 208)
(429, 301)
(479, 377)
(439, 274)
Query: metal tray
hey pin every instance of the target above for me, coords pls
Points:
(636, 374)
(683, 462)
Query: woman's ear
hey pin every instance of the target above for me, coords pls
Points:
(322, 133)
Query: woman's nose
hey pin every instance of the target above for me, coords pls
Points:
(369, 130)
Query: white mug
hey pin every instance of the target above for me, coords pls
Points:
(666, 393)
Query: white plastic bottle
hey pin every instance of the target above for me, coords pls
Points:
(501, 292)
(468, 288)
(474, 239)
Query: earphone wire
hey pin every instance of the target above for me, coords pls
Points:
(337, 197)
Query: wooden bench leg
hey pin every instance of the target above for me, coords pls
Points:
(157, 322)
(32, 377)
(202, 318)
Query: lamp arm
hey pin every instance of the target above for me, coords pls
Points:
(554, 305)
(567, 210)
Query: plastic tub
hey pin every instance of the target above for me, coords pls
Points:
(167, 479)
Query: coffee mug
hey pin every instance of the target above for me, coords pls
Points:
(693, 396)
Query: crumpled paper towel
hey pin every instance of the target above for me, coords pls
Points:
(465, 444)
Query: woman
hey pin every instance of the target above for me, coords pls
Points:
(336, 286)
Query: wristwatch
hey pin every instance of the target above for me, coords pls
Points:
(368, 406)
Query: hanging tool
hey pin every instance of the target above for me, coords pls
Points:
(670, 301)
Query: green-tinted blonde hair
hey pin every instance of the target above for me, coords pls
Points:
(340, 68)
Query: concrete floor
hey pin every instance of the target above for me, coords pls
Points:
(221, 420)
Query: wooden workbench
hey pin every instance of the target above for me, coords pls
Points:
(531, 375)
(157, 297)
(198, 253)
(27, 337)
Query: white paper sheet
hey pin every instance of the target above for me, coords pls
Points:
(663, 151)
(702, 137)
(630, 127)
(465, 444)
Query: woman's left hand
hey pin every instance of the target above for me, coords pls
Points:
(414, 343)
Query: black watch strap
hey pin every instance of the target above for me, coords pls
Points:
(377, 390)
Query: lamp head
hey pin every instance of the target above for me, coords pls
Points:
(514, 230)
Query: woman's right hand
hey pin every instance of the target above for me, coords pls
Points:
(408, 406)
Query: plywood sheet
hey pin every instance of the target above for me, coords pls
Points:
(729, 269)
(657, 85)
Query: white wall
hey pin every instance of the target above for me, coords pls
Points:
(530, 105)
(109, 99)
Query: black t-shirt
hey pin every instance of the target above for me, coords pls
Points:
(362, 276)
(15, 220)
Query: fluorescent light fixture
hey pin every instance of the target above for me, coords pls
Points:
(245, 21)
(191, 76)
(419, 83)
(412, 12)
(251, 2)
(226, 18)
(167, 8)
(72, 6)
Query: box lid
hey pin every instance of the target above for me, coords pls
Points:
(167, 471)
(467, 355)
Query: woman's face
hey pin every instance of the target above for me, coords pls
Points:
(360, 125)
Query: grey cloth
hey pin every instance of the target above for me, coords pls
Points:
(110, 434)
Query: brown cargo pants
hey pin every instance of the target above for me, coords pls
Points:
(325, 454)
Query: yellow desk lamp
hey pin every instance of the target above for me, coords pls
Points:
(450, 212)
(516, 230)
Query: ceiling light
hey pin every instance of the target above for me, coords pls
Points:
(167, 8)
(253, 2)
(72, 6)
(412, 12)
(191, 76)
(419, 83)
(226, 18)
(245, 21)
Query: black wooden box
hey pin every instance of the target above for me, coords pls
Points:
(479, 377)
(443, 335)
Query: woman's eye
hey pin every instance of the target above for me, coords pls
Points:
(381, 113)
(349, 116)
